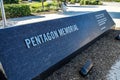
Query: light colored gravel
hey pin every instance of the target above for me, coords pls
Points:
(114, 73)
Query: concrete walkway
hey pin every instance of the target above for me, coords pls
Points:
(112, 7)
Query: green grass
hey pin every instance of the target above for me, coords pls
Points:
(36, 7)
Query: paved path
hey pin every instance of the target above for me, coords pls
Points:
(112, 7)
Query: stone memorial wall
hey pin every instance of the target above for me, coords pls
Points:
(29, 50)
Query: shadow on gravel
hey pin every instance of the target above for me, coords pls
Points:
(115, 15)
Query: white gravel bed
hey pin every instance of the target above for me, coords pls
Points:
(114, 72)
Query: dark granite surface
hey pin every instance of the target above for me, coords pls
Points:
(23, 63)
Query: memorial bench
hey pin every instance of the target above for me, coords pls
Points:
(27, 51)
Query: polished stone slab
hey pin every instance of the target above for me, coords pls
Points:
(29, 50)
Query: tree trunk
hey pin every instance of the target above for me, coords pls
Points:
(43, 5)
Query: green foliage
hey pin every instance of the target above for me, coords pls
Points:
(77, 1)
(55, 4)
(19, 10)
(72, 1)
(90, 2)
(46, 4)
(12, 1)
(16, 10)
(117, 0)
(111, 0)
(46, 9)
(86, 2)
(93, 2)
(82, 2)
(37, 7)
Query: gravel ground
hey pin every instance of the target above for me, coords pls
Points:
(114, 72)
(104, 53)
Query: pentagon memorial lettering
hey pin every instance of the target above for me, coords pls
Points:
(42, 38)
(27, 51)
